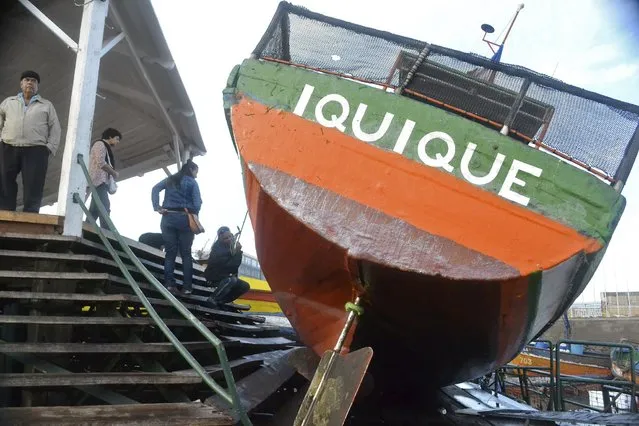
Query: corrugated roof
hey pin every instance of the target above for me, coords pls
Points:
(124, 100)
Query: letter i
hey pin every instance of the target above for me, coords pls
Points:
(303, 100)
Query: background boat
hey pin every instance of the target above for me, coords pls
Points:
(580, 363)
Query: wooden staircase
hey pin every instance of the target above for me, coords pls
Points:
(77, 346)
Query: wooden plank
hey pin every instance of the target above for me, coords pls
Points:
(25, 254)
(218, 313)
(136, 246)
(149, 264)
(254, 389)
(198, 270)
(89, 320)
(193, 414)
(40, 275)
(59, 348)
(22, 217)
(239, 306)
(94, 379)
(217, 372)
(249, 329)
(137, 321)
(109, 298)
(257, 341)
(12, 235)
(29, 228)
(72, 297)
(103, 394)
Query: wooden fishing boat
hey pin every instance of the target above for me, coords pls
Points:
(622, 363)
(374, 165)
(584, 365)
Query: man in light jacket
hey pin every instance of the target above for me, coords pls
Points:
(29, 134)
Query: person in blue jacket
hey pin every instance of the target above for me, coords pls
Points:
(181, 192)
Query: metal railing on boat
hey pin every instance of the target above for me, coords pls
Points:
(229, 395)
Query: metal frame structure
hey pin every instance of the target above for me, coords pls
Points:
(89, 50)
(556, 399)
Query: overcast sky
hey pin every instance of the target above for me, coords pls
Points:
(587, 43)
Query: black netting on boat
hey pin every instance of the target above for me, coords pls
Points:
(597, 131)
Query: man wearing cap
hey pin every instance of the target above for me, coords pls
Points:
(222, 269)
(29, 134)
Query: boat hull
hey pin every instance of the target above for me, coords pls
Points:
(428, 320)
(454, 278)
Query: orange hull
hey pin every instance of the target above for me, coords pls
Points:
(310, 196)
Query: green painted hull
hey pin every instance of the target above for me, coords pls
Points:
(562, 192)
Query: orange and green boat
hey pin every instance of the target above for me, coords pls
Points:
(467, 209)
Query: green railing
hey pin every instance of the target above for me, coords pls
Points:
(557, 401)
(522, 374)
(230, 395)
(559, 379)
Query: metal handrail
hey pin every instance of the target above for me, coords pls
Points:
(232, 396)
(559, 378)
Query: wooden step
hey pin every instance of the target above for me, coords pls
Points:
(130, 298)
(40, 275)
(193, 414)
(138, 348)
(83, 245)
(257, 387)
(92, 259)
(255, 341)
(71, 297)
(94, 379)
(217, 372)
(136, 321)
(43, 255)
(90, 320)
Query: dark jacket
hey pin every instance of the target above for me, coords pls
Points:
(222, 263)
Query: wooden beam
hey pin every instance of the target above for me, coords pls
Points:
(130, 322)
(114, 298)
(72, 297)
(193, 414)
(40, 275)
(26, 254)
(62, 348)
(34, 218)
(89, 320)
(256, 341)
(94, 379)
(254, 389)
(105, 395)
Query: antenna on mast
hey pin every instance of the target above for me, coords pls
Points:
(488, 29)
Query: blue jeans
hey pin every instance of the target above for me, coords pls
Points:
(103, 194)
(177, 234)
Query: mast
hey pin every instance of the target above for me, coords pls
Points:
(488, 29)
(512, 22)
